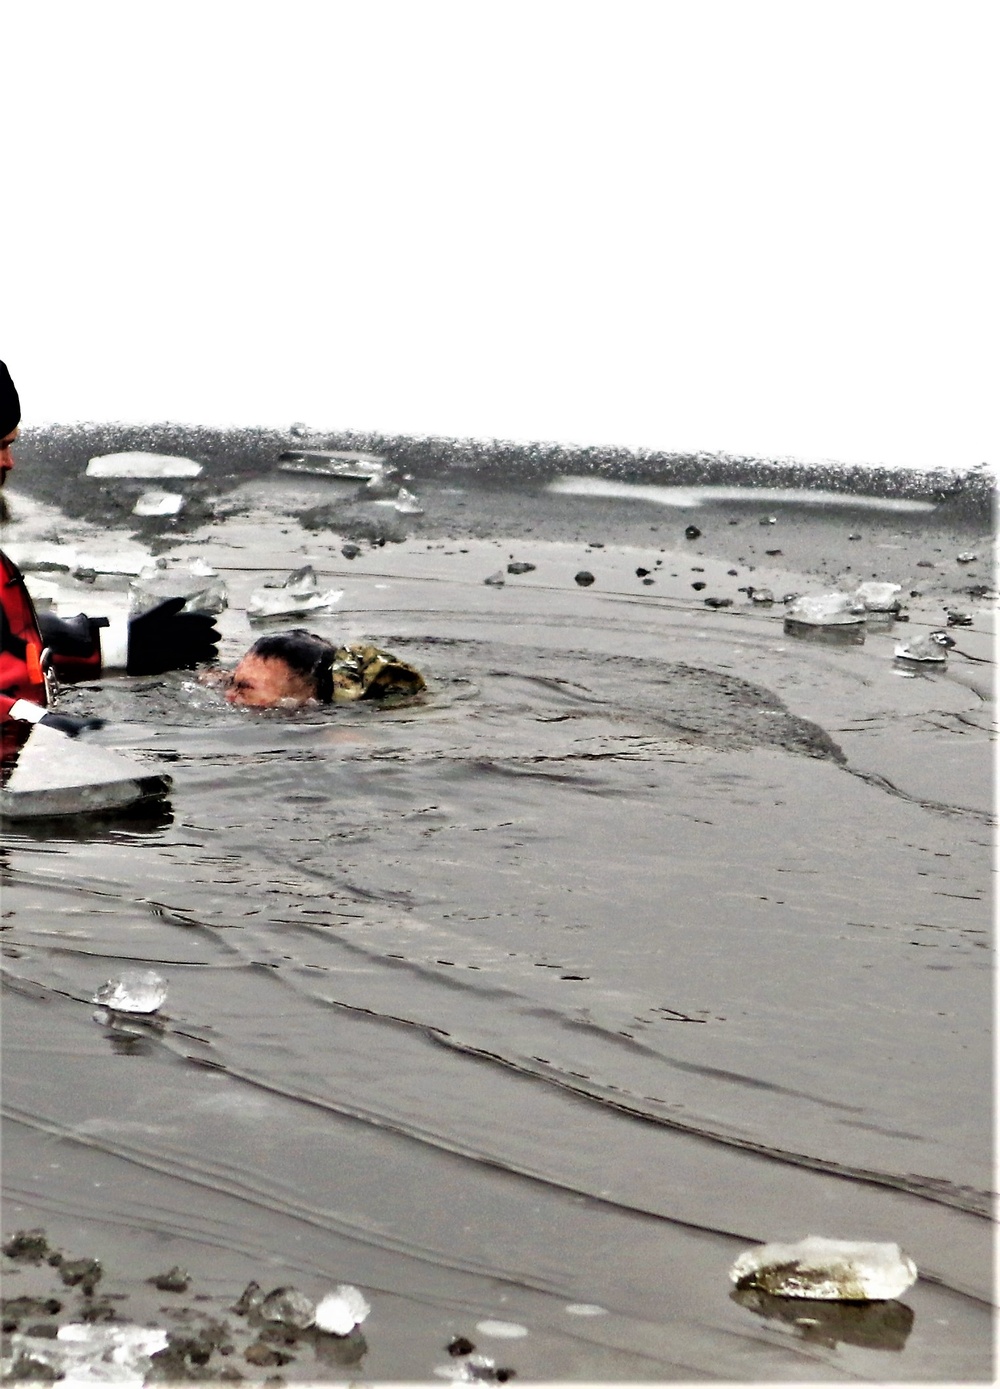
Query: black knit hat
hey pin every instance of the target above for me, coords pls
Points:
(10, 406)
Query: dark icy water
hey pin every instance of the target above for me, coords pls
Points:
(649, 934)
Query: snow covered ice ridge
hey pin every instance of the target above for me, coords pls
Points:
(826, 1269)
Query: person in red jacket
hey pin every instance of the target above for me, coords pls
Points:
(81, 647)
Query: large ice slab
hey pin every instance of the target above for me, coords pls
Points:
(826, 1269)
(57, 775)
(142, 465)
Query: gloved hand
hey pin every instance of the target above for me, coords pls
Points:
(69, 724)
(167, 639)
(70, 636)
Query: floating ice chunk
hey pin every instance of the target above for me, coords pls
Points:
(827, 1269)
(133, 991)
(761, 595)
(929, 650)
(342, 1310)
(289, 1307)
(197, 583)
(585, 1309)
(405, 502)
(142, 465)
(505, 1330)
(299, 593)
(967, 557)
(158, 504)
(827, 610)
(86, 1354)
(879, 598)
(56, 775)
(336, 463)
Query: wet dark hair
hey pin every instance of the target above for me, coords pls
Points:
(10, 406)
(305, 653)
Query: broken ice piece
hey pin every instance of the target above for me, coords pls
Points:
(298, 593)
(967, 557)
(342, 1310)
(337, 463)
(407, 503)
(478, 1369)
(87, 1354)
(158, 504)
(827, 610)
(300, 582)
(289, 1307)
(932, 649)
(133, 991)
(197, 583)
(878, 597)
(142, 465)
(826, 1269)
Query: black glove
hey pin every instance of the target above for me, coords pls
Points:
(167, 639)
(70, 636)
(69, 724)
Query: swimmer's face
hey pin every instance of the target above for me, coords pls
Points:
(261, 682)
(6, 456)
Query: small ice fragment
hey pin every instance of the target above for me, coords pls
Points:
(298, 593)
(158, 504)
(827, 610)
(761, 595)
(342, 1310)
(879, 598)
(133, 991)
(407, 504)
(827, 1269)
(496, 580)
(585, 1309)
(289, 1307)
(142, 465)
(507, 1330)
(967, 557)
(932, 649)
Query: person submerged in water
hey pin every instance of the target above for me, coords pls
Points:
(291, 669)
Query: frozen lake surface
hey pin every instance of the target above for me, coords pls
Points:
(651, 933)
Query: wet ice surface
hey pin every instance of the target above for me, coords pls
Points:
(555, 990)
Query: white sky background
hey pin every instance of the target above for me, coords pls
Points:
(761, 226)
